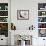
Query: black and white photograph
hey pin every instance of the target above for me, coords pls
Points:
(23, 14)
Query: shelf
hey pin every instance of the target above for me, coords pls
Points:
(41, 22)
(41, 10)
(3, 22)
(42, 19)
(3, 10)
(3, 16)
(41, 28)
(42, 16)
(4, 19)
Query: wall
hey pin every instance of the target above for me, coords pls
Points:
(32, 6)
(25, 5)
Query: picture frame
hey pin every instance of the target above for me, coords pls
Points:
(22, 14)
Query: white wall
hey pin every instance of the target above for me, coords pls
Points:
(24, 5)
(32, 6)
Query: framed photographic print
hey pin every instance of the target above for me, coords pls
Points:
(23, 14)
